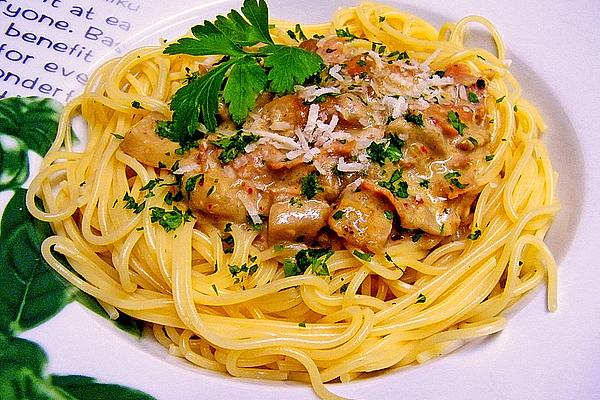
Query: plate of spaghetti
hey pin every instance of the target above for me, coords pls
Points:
(311, 209)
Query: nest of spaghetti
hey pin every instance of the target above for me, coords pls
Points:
(385, 211)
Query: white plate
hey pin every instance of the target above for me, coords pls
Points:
(539, 355)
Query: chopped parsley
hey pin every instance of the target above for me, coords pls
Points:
(391, 260)
(257, 227)
(345, 33)
(500, 99)
(452, 177)
(417, 236)
(489, 157)
(421, 298)
(243, 73)
(169, 220)
(391, 150)
(381, 18)
(131, 204)
(480, 83)
(473, 97)
(396, 185)
(361, 63)
(233, 145)
(363, 256)
(278, 247)
(338, 215)
(150, 186)
(120, 137)
(415, 118)
(210, 190)
(388, 214)
(456, 123)
(403, 56)
(136, 104)
(170, 197)
(239, 272)
(343, 288)
(302, 324)
(309, 185)
(474, 235)
(316, 259)
(192, 181)
(424, 183)
(166, 130)
(440, 73)
(296, 202)
(298, 30)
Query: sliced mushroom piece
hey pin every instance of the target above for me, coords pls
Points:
(143, 143)
(360, 218)
(290, 220)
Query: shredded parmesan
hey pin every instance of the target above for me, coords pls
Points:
(344, 166)
(250, 207)
(396, 106)
(310, 93)
(335, 72)
(189, 167)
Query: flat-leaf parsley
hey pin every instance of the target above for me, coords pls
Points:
(244, 71)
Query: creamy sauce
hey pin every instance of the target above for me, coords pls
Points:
(380, 147)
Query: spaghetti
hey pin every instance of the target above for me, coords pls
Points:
(232, 306)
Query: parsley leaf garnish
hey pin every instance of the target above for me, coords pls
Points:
(290, 66)
(244, 72)
(421, 298)
(396, 185)
(246, 80)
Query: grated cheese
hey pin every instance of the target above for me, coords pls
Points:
(335, 72)
(310, 93)
(250, 207)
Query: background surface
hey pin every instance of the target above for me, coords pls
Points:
(554, 48)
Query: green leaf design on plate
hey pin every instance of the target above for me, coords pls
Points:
(26, 123)
(86, 388)
(31, 291)
(22, 365)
